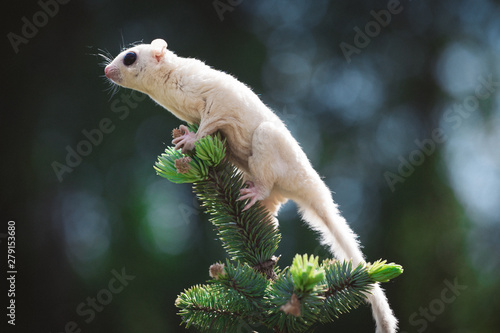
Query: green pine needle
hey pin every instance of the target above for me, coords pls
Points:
(306, 273)
(248, 283)
(288, 316)
(249, 237)
(346, 290)
(210, 150)
(165, 167)
(379, 271)
(209, 308)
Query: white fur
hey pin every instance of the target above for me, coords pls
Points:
(258, 142)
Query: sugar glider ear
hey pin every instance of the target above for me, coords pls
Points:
(159, 48)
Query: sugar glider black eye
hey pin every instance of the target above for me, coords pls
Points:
(129, 58)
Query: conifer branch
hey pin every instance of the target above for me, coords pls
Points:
(249, 289)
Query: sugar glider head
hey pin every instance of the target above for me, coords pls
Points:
(134, 67)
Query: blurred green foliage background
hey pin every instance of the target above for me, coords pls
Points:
(404, 126)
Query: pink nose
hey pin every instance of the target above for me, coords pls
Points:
(107, 70)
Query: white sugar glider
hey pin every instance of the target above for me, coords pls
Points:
(259, 144)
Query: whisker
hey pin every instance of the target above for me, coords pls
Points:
(112, 88)
(122, 46)
(139, 42)
(106, 56)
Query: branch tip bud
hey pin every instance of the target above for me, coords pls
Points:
(176, 133)
(216, 270)
(292, 306)
(182, 164)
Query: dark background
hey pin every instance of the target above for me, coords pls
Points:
(415, 81)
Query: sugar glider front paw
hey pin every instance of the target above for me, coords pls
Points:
(184, 141)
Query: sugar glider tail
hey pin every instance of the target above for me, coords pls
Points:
(321, 213)
(382, 312)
